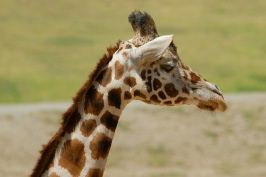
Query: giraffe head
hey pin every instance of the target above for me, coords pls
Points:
(156, 75)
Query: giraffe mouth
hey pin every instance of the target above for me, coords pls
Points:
(212, 105)
(210, 98)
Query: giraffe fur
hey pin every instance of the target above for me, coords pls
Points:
(146, 68)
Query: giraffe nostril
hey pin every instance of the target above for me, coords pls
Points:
(217, 90)
(217, 87)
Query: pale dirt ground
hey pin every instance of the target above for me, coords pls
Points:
(152, 141)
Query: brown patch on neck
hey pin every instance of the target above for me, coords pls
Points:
(100, 146)
(127, 95)
(119, 70)
(105, 77)
(109, 120)
(114, 97)
(130, 81)
(87, 127)
(94, 102)
(70, 119)
(95, 173)
(73, 157)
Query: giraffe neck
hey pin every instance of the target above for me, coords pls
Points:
(82, 143)
(84, 151)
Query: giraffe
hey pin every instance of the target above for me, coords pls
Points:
(146, 68)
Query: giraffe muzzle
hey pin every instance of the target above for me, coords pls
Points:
(210, 98)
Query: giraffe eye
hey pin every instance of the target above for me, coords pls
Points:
(167, 67)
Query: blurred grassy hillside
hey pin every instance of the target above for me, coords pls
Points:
(47, 48)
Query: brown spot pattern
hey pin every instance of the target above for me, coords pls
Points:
(147, 101)
(130, 81)
(128, 46)
(119, 70)
(156, 84)
(194, 77)
(180, 99)
(87, 127)
(127, 95)
(100, 146)
(185, 90)
(54, 175)
(73, 157)
(73, 120)
(157, 72)
(143, 74)
(109, 120)
(105, 77)
(139, 94)
(94, 102)
(114, 97)
(161, 95)
(148, 84)
(168, 102)
(155, 99)
(125, 55)
(171, 90)
(94, 172)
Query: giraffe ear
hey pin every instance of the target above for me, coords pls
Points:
(152, 50)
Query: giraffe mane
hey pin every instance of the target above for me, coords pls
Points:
(68, 122)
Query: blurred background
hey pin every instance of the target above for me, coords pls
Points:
(47, 49)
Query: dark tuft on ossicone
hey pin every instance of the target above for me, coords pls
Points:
(142, 23)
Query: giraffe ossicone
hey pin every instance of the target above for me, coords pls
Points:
(147, 68)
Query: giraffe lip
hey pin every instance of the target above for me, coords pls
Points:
(221, 105)
(212, 105)
(208, 106)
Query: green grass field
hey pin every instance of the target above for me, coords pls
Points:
(48, 48)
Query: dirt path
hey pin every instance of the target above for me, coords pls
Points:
(152, 141)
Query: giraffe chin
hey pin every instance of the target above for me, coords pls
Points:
(212, 105)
